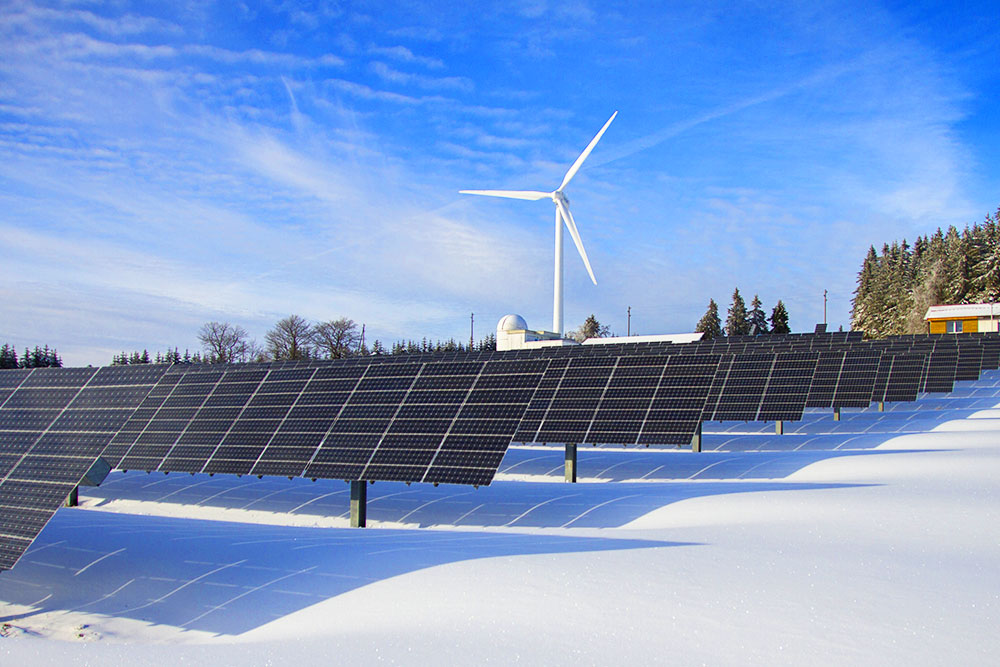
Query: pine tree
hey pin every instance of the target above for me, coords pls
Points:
(861, 311)
(757, 318)
(710, 325)
(986, 269)
(957, 263)
(489, 342)
(737, 323)
(779, 319)
(8, 356)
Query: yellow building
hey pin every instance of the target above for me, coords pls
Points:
(963, 318)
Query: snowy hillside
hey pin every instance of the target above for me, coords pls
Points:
(872, 540)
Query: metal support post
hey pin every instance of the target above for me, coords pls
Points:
(779, 427)
(73, 499)
(696, 439)
(836, 414)
(359, 503)
(881, 406)
(570, 462)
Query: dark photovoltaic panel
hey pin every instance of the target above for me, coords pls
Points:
(576, 387)
(649, 402)
(447, 422)
(623, 400)
(899, 377)
(970, 362)
(857, 380)
(420, 421)
(991, 354)
(53, 427)
(762, 386)
(940, 368)
(788, 387)
(738, 387)
(841, 375)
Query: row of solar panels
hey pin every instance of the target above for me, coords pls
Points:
(429, 418)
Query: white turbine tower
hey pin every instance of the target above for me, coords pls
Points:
(562, 215)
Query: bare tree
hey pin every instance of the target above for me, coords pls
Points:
(252, 351)
(223, 342)
(289, 339)
(336, 338)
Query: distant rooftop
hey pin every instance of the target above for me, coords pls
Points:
(963, 310)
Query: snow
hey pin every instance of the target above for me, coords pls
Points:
(870, 540)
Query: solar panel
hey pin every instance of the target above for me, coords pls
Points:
(788, 387)
(53, 427)
(970, 361)
(903, 382)
(760, 386)
(857, 380)
(940, 368)
(620, 400)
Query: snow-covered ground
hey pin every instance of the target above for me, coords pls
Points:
(872, 540)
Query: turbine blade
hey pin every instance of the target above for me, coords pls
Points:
(530, 195)
(571, 226)
(586, 151)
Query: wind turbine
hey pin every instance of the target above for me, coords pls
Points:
(562, 216)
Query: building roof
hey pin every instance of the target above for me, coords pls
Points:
(963, 310)
(669, 338)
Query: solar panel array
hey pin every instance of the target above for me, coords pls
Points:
(414, 422)
(431, 417)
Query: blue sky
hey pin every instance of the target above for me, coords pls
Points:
(167, 164)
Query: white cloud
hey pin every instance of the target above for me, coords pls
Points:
(392, 75)
(403, 54)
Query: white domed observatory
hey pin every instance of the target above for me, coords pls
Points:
(513, 334)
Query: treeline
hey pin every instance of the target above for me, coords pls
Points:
(40, 357)
(896, 286)
(168, 357)
(293, 338)
(743, 322)
(413, 347)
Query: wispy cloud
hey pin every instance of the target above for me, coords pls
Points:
(403, 54)
(390, 74)
(125, 25)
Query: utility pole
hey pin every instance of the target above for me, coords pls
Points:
(362, 337)
(472, 330)
(629, 325)
(824, 306)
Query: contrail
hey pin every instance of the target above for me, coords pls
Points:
(650, 140)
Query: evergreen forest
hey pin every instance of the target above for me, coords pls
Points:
(897, 285)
